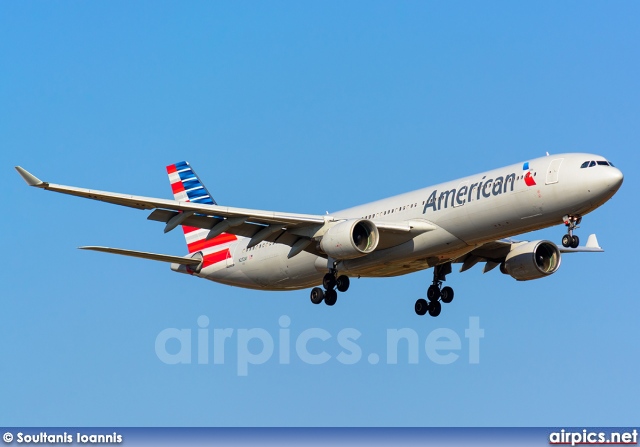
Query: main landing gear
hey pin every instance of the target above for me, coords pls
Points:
(569, 240)
(330, 282)
(436, 293)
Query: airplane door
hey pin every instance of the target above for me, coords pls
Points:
(554, 171)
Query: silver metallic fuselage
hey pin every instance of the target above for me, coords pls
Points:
(466, 216)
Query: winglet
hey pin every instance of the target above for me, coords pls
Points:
(28, 177)
(592, 242)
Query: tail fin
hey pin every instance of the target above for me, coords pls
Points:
(187, 187)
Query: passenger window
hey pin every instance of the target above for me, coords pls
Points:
(584, 165)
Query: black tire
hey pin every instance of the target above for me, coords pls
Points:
(575, 242)
(330, 297)
(329, 281)
(342, 283)
(433, 293)
(317, 295)
(446, 295)
(435, 308)
(503, 268)
(422, 307)
(566, 241)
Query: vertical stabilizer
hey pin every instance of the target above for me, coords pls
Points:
(187, 187)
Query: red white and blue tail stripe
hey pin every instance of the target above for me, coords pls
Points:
(187, 187)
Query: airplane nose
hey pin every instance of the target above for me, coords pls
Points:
(614, 178)
(605, 183)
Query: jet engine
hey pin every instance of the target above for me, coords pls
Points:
(350, 239)
(533, 260)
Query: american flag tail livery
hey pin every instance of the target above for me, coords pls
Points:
(187, 187)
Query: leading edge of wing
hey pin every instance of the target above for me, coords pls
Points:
(141, 202)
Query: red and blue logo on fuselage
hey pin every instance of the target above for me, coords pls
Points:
(528, 177)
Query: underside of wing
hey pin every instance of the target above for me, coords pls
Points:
(496, 252)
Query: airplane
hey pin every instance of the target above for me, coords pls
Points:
(464, 221)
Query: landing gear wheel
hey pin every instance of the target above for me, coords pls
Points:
(433, 293)
(330, 297)
(329, 281)
(446, 295)
(342, 283)
(317, 295)
(435, 308)
(575, 242)
(422, 307)
(571, 222)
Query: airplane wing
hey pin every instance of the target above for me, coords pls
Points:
(259, 225)
(140, 202)
(494, 253)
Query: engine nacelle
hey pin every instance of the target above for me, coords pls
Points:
(533, 260)
(350, 239)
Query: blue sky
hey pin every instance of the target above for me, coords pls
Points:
(307, 107)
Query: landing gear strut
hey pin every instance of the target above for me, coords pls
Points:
(569, 240)
(330, 282)
(436, 293)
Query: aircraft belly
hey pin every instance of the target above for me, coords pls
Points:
(423, 251)
(269, 268)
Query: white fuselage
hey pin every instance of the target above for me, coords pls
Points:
(467, 213)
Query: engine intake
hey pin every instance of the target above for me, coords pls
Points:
(533, 260)
(350, 239)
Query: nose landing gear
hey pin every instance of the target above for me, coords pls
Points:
(436, 293)
(569, 239)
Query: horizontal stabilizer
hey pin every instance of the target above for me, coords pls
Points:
(146, 255)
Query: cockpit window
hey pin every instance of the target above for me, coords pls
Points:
(591, 164)
(611, 164)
